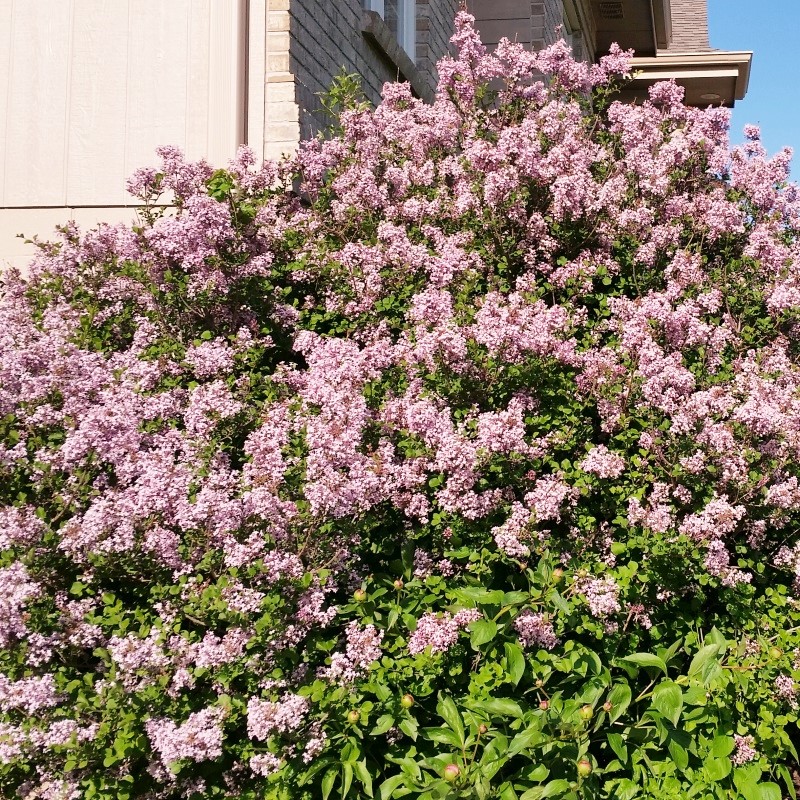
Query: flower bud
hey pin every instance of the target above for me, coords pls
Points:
(586, 712)
(607, 706)
(544, 704)
(482, 729)
(398, 584)
(558, 574)
(359, 595)
(353, 716)
(451, 773)
(539, 683)
(584, 768)
(407, 700)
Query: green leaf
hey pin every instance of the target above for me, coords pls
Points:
(506, 792)
(787, 779)
(364, 776)
(695, 696)
(717, 768)
(768, 791)
(409, 727)
(704, 659)
(625, 790)
(387, 788)
(679, 753)
(481, 596)
(668, 699)
(746, 780)
(384, 722)
(530, 737)
(617, 744)
(620, 698)
(715, 637)
(515, 661)
(442, 736)
(327, 782)
(722, 746)
(646, 660)
(449, 713)
(560, 603)
(553, 789)
(482, 631)
(501, 707)
(347, 779)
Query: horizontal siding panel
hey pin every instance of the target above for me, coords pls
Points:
(97, 103)
(38, 89)
(157, 77)
(91, 87)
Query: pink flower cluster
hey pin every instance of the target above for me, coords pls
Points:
(603, 463)
(440, 631)
(199, 738)
(412, 335)
(745, 751)
(265, 717)
(602, 595)
(362, 649)
(535, 630)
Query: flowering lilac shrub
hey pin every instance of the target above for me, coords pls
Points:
(455, 457)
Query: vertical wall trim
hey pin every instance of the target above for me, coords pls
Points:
(67, 107)
(256, 74)
(225, 80)
(407, 27)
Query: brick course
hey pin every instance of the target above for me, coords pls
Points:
(325, 37)
(689, 26)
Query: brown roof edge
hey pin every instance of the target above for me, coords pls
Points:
(723, 73)
(662, 23)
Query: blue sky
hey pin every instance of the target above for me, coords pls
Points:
(770, 29)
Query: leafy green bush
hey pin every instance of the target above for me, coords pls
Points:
(455, 457)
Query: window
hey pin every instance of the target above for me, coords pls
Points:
(400, 17)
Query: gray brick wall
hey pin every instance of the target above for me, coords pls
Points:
(689, 26)
(434, 29)
(534, 23)
(552, 17)
(326, 36)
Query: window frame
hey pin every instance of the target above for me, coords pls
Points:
(406, 23)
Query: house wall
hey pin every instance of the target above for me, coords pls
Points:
(689, 26)
(536, 23)
(88, 90)
(325, 37)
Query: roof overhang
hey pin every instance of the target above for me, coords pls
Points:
(662, 23)
(718, 77)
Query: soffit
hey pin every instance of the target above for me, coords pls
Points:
(719, 77)
(629, 23)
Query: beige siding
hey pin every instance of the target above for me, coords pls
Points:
(89, 89)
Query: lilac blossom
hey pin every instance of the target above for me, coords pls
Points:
(745, 751)
(218, 421)
(266, 717)
(440, 631)
(362, 649)
(602, 595)
(535, 630)
(786, 690)
(199, 738)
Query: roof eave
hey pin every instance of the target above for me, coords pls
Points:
(725, 73)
